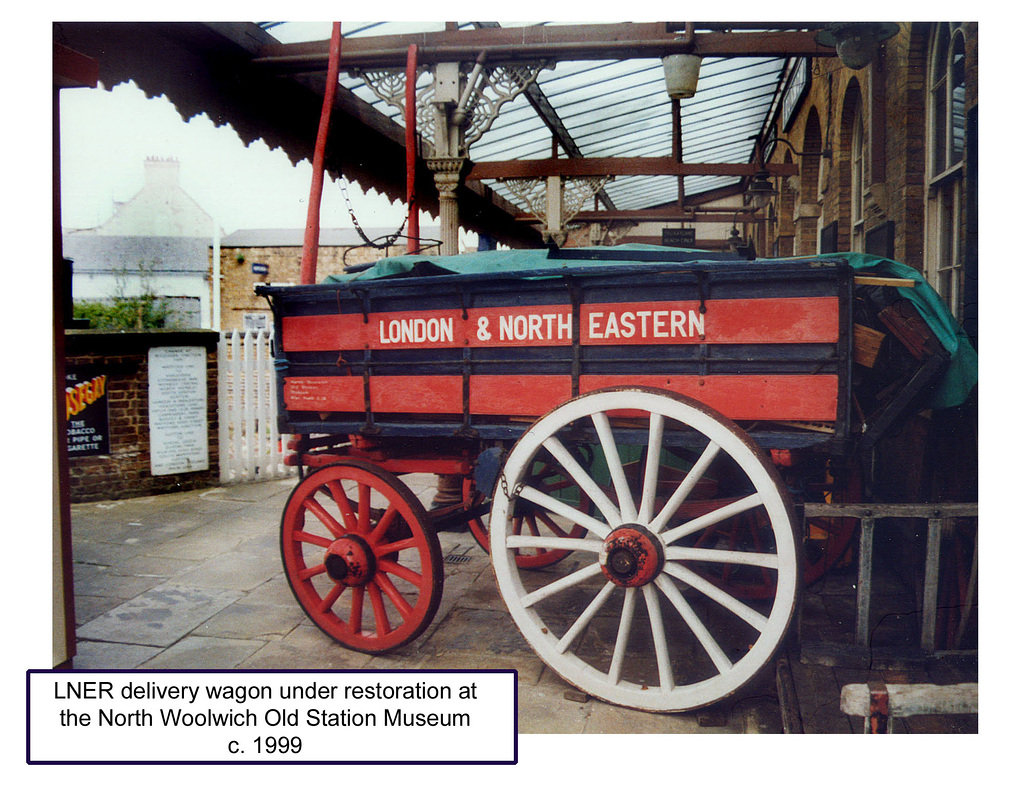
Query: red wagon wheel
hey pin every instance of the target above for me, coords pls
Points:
(532, 520)
(360, 557)
(825, 541)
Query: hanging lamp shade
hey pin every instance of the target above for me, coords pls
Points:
(856, 43)
(761, 188)
(681, 72)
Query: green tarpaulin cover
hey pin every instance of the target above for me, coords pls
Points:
(953, 389)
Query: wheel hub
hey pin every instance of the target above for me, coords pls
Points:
(350, 560)
(631, 556)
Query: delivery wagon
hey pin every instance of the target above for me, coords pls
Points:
(629, 431)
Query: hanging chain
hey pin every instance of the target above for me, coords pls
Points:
(384, 241)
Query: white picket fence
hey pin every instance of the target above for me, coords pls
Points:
(251, 449)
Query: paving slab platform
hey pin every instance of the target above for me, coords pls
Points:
(193, 580)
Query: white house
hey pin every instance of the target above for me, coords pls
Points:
(156, 242)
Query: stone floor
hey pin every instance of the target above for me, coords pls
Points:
(194, 581)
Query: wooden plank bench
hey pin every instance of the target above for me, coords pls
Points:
(877, 702)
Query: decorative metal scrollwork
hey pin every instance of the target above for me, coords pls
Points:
(389, 86)
(575, 193)
(496, 86)
(499, 85)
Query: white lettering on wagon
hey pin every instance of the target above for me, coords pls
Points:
(416, 331)
(535, 327)
(645, 324)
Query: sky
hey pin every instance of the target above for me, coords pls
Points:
(107, 135)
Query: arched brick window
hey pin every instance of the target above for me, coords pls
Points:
(852, 170)
(947, 92)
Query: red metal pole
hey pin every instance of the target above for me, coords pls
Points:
(311, 242)
(410, 151)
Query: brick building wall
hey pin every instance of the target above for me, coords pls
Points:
(241, 264)
(124, 359)
(893, 92)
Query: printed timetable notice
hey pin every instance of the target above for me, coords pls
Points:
(272, 716)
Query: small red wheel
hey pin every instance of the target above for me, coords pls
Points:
(360, 557)
(531, 520)
(827, 538)
(825, 541)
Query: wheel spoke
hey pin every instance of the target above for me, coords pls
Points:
(553, 543)
(321, 514)
(726, 600)
(363, 526)
(312, 571)
(765, 560)
(306, 536)
(387, 548)
(585, 617)
(404, 572)
(660, 642)
(650, 490)
(399, 601)
(380, 615)
(611, 455)
(355, 619)
(712, 518)
(622, 635)
(382, 525)
(556, 506)
(332, 596)
(570, 580)
(685, 487)
(704, 637)
(341, 499)
(582, 478)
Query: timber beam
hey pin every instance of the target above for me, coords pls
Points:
(603, 166)
(623, 41)
(662, 215)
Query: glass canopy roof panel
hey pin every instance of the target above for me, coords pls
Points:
(612, 108)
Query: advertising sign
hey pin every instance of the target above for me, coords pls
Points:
(85, 397)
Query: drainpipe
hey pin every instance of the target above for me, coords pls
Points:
(459, 116)
(410, 151)
(311, 242)
(215, 307)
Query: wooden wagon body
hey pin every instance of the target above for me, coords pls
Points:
(451, 355)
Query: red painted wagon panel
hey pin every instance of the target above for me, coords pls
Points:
(758, 341)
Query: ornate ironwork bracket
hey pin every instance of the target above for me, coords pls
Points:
(498, 86)
(555, 201)
(491, 88)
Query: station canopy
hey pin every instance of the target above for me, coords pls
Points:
(599, 99)
(604, 108)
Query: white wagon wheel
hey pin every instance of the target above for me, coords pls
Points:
(627, 618)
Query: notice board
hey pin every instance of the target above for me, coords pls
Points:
(178, 438)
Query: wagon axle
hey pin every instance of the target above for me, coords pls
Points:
(631, 556)
(350, 560)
